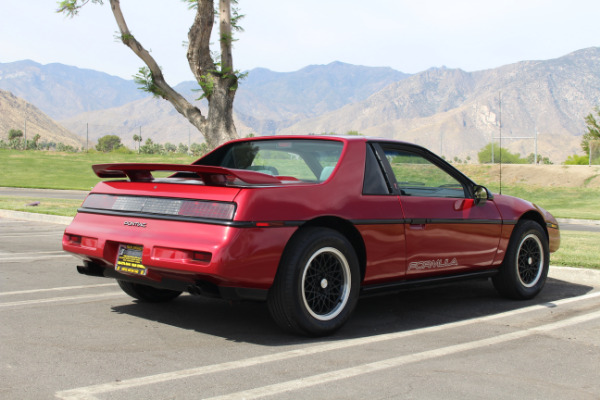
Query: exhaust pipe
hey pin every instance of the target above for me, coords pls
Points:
(91, 269)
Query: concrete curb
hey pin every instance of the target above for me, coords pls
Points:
(578, 221)
(585, 276)
(27, 216)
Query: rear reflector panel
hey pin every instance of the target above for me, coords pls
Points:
(162, 206)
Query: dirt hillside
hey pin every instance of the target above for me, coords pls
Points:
(536, 175)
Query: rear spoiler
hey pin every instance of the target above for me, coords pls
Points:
(209, 174)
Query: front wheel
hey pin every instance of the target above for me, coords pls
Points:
(148, 293)
(317, 283)
(525, 268)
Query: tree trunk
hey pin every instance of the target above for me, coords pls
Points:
(219, 84)
(220, 127)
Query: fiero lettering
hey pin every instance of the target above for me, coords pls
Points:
(432, 264)
(137, 224)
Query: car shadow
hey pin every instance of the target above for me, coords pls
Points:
(250, 322)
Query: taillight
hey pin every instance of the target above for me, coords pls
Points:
(207, 209)
(162, 206)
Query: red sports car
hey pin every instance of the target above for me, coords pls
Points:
(307, 224)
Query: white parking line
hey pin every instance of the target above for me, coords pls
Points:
(30, 253)
(89, 392)
(34, 258)
(59, 299)
(57, 234)
(56, 289)
(395, 362)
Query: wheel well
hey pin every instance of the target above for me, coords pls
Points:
(536, 217)
(347, 229)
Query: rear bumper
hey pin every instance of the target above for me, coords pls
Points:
(187, 256)
(199, 287)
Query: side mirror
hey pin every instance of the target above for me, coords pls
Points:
(481, 194)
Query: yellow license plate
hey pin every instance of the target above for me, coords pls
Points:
(129, 260)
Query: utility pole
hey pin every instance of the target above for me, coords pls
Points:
(535, 159)
(25, 128)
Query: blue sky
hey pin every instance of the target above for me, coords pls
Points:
(409, 36)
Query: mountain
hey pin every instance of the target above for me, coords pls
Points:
(268, 101)
(265, 102)
(151, 118)
(62, 91)
(456, 113)
(451, 111)
(16, 113)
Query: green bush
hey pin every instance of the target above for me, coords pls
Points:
(576, 159)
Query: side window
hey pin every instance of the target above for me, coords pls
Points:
(417, 176)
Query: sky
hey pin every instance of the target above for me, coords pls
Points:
(284, 35)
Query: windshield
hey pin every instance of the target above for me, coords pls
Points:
(302, 159)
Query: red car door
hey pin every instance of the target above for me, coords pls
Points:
(446, 229)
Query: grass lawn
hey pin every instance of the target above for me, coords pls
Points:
(61, 207)
(51, 170)
(578, 249)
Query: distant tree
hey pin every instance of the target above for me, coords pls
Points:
(576, 159)
(108, 143)
(33, 143)
(485, 156)
(593, 130)
(170, 148)
(182, 148)
(540, 159)
(215, 75)
(15, 134)
(138, 140)
(198, 150)
(150, 147)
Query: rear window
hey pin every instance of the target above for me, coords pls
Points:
(302, 159)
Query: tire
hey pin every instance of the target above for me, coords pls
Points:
(317, 284)
(525, 268)
(146, 293)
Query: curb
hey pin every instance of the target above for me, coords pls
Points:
(586, 276)
(578, 221)
(27, 216)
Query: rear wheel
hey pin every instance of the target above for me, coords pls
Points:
(316, 287)
(525, 267)
(148, 293)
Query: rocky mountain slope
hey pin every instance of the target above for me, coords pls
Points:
(62, 91)
(456, 112)
(451, 111)
(266, 102)
(16, 113)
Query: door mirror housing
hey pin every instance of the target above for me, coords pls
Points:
(481, 194)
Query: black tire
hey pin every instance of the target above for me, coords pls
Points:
(525, 268)
(146, 293)
(317, 284)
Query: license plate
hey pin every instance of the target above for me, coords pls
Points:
(129, 260)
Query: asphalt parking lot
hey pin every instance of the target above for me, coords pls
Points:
(68, 336)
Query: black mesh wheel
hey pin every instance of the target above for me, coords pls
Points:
(317, 283)
(525, 267)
